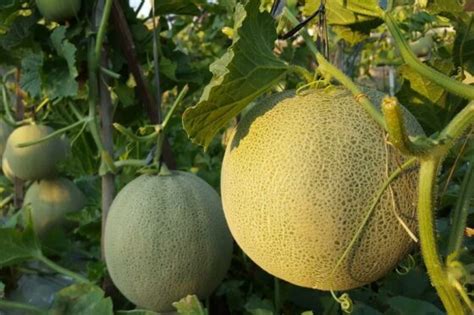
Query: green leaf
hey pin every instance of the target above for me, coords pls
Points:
(168, 68)
(18, 32)
(181, 7)
(81, 299)
(18, 246)
(190, 305)
(65, 49)
(30, 80)
(247, 70)
(352, 37)
(60, 83)
(5, 4)
(405, 305)
(136, 312)
(345, 12)
(447, 6)
(362, 309)
(424, 86)
(257, 306)
(2, 290)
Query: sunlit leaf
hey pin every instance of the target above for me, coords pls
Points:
(246, 71)
(190, 305)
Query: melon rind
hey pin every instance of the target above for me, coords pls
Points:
(5, 131)
(36, 161)
(165, 238)
(297, 180)
(50, 201)
(58, 10)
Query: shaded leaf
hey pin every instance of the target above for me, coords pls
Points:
(81, 299)
(17, 246)
(244, 72)
(30, 80)
(362, 309)
(405, 305)
(65, 49)
(424, 86)
(190, 305)
(136, 312)
(59, 83)
(19, 31)
(181, 7)
(257, 306)
(168, 68)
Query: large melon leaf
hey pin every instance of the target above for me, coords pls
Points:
(244, 72)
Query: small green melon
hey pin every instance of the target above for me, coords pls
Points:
(58, 10)
(36, 161)
(297, 180)
(165, 238)
(7, 170)
(5, 131)
(50, 200)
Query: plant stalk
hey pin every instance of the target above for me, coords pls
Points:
(106, 119)
(52, 265)
(436, 270)
(4, 304)
(326, 67)
(461, 210)
(54, 134)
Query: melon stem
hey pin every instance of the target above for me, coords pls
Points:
(54, 134)
(331, 71)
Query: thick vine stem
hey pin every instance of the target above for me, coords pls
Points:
(51, 264)
(436, 270)
(458, 125)
(129, 134)
(396, 127)
(328, 69)
(398, 135)
(427, 183)
(451, 85)
(54, 134)
(462, 210)
(4, 304)
(101, 32)
(133, 163)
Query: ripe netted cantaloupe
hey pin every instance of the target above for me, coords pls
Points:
(58, 10)
(165, 238)
(50, 200)
(37, 161)
(297, 180)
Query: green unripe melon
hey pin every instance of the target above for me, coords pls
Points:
(5, 131)
(36, 161)
(50, 201)
(297, 180)
(165, 238)
(58, 10)
(7, 171)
